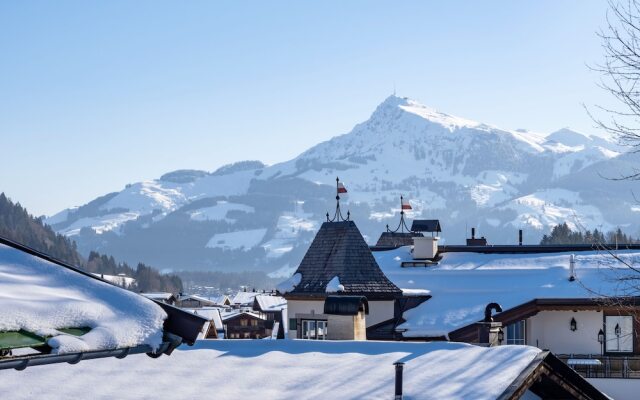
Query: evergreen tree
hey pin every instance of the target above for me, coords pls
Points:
(17, 225)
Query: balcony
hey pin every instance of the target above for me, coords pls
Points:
(598, 366)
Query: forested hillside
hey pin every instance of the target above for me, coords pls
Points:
(18, 225)
(563, 234)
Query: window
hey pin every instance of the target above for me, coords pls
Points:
(314, 329)
(516, 333)
(247, 335)
(293, 324)
(254, 322)
(243, 322)
(619, 334)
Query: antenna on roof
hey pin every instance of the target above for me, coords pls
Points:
(337, 217)
(404, 205)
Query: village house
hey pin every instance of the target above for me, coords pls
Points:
(340, 263)
(569, 300)
(194, 301)
(240, 324)
(273, 308)
(164, 297)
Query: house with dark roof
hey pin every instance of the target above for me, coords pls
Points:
(339, 263)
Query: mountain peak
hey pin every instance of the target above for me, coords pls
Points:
(394, 105)
(569, 137)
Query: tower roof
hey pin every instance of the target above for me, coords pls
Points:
(340, 250)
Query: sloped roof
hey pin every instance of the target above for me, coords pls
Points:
(270, 303)
(158, 295)
(244, 298)
(396, 239)
(510, 279)
(340, 250)
(426, 225)
(71, 314)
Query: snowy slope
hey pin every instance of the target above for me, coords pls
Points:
(463, 172)
(284, 369)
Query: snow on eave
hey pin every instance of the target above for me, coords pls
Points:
(158, 295)
(334, 285)
(57, 295)
(415, 292)
(271, 303)
(289, 284)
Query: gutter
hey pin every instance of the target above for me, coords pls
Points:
(22, 362)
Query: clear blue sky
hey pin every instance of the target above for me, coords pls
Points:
(94, 95)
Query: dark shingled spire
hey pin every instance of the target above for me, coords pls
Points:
(397, 239)
(339, 250)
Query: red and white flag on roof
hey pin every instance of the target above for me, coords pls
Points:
(341, 188)
(405, 204)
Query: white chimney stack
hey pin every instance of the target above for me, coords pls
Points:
(425, 247)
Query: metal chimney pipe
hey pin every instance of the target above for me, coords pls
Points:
(572, 268)
(399, 368)
(520, 237)
(473, 233)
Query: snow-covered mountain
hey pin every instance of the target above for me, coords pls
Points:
(249, 216)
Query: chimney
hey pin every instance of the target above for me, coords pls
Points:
(399, 367)
(490, 332)
(520, 237)
(425, 247)
(572, 268)
(476, 242)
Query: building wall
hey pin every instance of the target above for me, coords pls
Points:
(340, 327)
(378, 311)
(550, 330)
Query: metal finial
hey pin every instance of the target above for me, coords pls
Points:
(348, 214)
(327, 216)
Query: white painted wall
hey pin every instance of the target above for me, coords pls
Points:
(618, 389)
(550, 330)
(378, 310)
(303, 307)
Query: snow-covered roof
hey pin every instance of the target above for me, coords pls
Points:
(244, 298)
(263, 369)
(40, 297)
(120, 279)
(220, 300)
(158, 295)
(462, 284)
(271, 303)
(212, 314)
(197, 298)
(232, 314)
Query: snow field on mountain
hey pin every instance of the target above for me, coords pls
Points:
(284, 369)
(238, 240)
(554, 206)
(102, 224)
(219, 211)
(288, 229)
